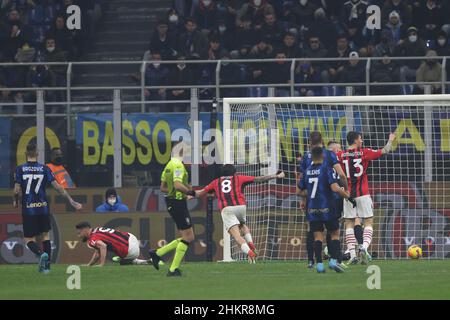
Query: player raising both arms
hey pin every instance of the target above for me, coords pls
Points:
(231, 200)
(31, 179)
(355, 162)
(318, 184)
(123, 244)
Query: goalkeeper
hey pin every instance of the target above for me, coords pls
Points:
(229, 192)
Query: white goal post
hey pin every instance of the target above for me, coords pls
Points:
(410, 186)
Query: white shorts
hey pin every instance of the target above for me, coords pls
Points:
(233, 215)
(133, 247)
(364, 208)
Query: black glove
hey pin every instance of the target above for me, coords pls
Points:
(352, 201)
(191, 193)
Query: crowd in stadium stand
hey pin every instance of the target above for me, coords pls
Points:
(35, 31)
(262, 29)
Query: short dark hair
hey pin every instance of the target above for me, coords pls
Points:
(110, 192)
(315, 138)
(352, 136)
(31, 150)
(83, 225)
(316, 153)
(228, 170)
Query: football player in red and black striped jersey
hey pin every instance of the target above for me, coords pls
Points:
(355, 162)
(229, 190)
(123, 244)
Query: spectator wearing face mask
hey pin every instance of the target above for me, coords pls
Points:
(412, 46)
(430, 70)
(59, 171)
(113, 203)
(176, 26)
(225, 36)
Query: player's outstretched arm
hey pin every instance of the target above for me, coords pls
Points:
(101, 246)
(279, 175)
(94, 258)
(63, 192)
(387, 148)
(16, 195)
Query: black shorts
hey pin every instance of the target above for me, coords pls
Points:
(34, 225)
(318, 226)
(179, 212)
(339, 207)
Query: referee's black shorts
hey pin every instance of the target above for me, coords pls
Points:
(34, 225)
(179, 212)
(319, 226)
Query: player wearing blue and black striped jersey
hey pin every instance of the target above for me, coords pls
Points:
(31, 179)
(330, 158)
(319, 183)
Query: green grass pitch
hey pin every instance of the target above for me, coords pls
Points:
(422, 279)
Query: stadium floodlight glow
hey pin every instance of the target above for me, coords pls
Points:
(409, 186)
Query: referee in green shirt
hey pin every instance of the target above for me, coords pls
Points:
(174, 182)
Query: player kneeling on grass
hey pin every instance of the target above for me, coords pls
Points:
(318, 184)
(229, 192)
(123, 244)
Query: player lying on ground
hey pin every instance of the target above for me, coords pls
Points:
(318, 184)
(229, 190)
(31, 179)
(174, 182)
(355, 162)
(123, 244)
(330, 158)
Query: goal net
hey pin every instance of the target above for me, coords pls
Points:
(410, 186)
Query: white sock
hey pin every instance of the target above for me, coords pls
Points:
(248, 237)
(367, 236)
(245, 248)
(139, 261)
(350, 240)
